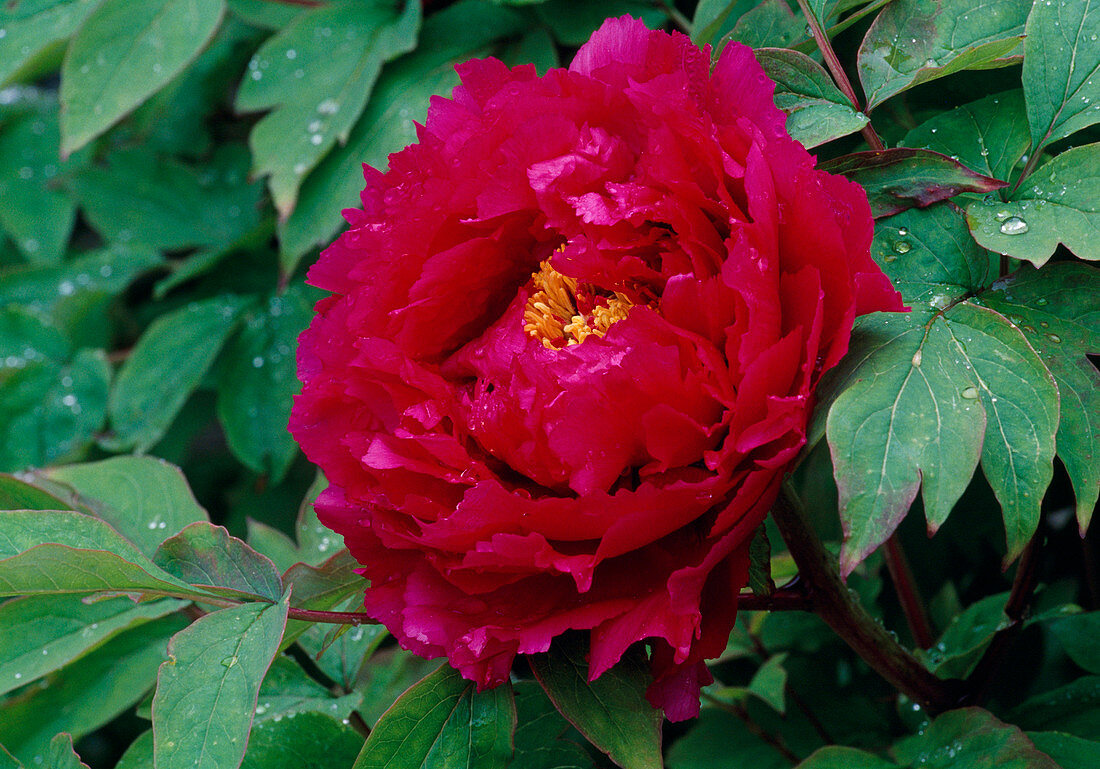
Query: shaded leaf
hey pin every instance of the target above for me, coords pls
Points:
(292, 743)
(138, 196)
(39, 634)
(317, 73)
(29, 27)
(37, 214)
(1073, 708)
(915, 41)
(817, 112)
(1068, 751)
(455, 34)
(965, 640)
(287, 691)
(17, 494)
(1077, 634)
(897, 179)
(988, 135)
(572, 22)
(1061, 61)
(1059, 203)
(124, 53)
(541, 735)
(84, 696)
(840, 757)
(207, 556)
(972, 737)
(721, 740)
(769, 683)
(443, 722)
(611, 711)
(258, 382)
(147, 394)
(207, 690)
(321, 588)
(143, 498)
(770, 23)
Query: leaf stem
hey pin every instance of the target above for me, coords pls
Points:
(784, 599)
(837, 71)
(908, 594)
(679, 19)
(836, 605)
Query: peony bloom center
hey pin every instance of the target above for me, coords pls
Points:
(562, 312)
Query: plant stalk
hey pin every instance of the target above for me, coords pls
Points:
(832, 63)
(908, 595)
(839, 608)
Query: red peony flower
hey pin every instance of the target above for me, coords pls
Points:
(571, 347)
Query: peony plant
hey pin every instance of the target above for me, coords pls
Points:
(690, 385)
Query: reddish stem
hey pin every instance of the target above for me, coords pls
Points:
(840, 77)
(908, 594)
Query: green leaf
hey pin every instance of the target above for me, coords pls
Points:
(1058, 309)
(37, 215)
(257, 385)
(207, 690)
(612, 711)
(988, 135)
(316, 541)
(1059, 203)
(123, 54)
(760, 563)
(714, 19)
(143, 498)
(264, 13)
(85, 695)
(967, 637)
(915, 41)
(721, 740)
(341, 650)
(443, 722)
(897, 179)
(67, 552)
(1077, 634)
(817, 112)
(1074, 709)
(453, 35)
(972, 738)
(1061, 61)
(840, 757)
(41, 633)
(148, 394)
(31, 26)
(61, 754)
(541, 741)
(292, 743)
(140, 197)
(7, 760)
(52, 408)
(52, 290)
(1068, 751)
(572, 22)
(771, 23)
(207, 556)
(929, 254)
(140, 753)
(17, 494)
(769, 683)
(321, 587)
(288, 691)
(921, 398)
(317, 74)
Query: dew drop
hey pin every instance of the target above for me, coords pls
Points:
(66, 288)
(917, 356)
(258, 362)
(291, 53)
(970, 393)
(328, 107)
(903, 231)
(1014, 225)
(902, 247)
(316, 139)
(1054, 338)
(1042, 301)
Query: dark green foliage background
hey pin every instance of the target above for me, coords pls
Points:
(170, 168)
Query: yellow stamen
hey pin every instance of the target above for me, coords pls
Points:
(552, 314)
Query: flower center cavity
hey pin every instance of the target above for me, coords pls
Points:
(562, 312)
